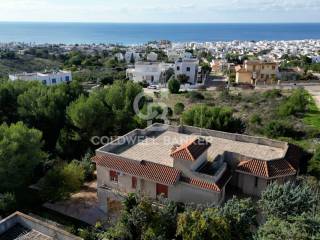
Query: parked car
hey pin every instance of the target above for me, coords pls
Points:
(153, 87)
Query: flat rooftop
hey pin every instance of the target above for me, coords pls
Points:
(19, 226)
(19, 232)
(156, 147)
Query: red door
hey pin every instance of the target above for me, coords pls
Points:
(134, 182)
(162, 190)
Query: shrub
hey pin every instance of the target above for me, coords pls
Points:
(241, 215)
(274, 93)
(174, 86)
(279, 128)
(87, 166)
(182, 78)
(8, 203)
(289, 199)
(194, 95)
(179, 108)
(297, 228)
(209, 224)
(144, 84)
(61, 181)
(216, 118)
(295, 104)
(314, 164)
(255, 119)
(140, 219)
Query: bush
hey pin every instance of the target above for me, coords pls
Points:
(256, 119)
(241, 215)
(295, 104)
(274, 93)
(279, 128)
(297, 228)
(182, 78)
(87, 166)
(209, 224)
(61, 181)
(8, 203)
(144, 84)
(216, 118)
(179, 108)
(193, 95)
(174, 86)
(314, 164)
(140, 219)
(289, 199)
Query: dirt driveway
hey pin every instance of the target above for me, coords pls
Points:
(82, 205)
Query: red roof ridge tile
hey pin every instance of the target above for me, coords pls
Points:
(184, 151)
(267, 168)
(201, 183)
(145, 169)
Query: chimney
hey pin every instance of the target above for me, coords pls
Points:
(174, 147)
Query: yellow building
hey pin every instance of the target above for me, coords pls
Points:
(253, 72)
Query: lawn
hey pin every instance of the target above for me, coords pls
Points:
(312, 117)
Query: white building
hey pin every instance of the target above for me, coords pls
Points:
(187, 67)
(46, 78)
(173, 55)
(129, 55)
(316, 59)
(119, 56)
(152, 57)
(187, 55)
(151, 72)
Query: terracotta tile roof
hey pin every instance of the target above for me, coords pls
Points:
(201, 184)
(152, 171)
(191, 150)
(267, 169)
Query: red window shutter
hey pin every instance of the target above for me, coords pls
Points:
(113, 176)
(162, 190)
(134, 182)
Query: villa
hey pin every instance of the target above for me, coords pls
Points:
(46, 78)
(152, 57)
(188, 67)
(150, 72)
(154, 72)
(254, 72)
(190, 165)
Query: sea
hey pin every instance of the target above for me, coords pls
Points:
(139, 33)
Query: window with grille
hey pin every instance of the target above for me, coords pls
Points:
(113, 176)
(162, 190)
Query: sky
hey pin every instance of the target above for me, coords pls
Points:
(161, 11)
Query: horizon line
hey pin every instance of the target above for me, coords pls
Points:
(93, 22)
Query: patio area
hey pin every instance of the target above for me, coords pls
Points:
(83, 206)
